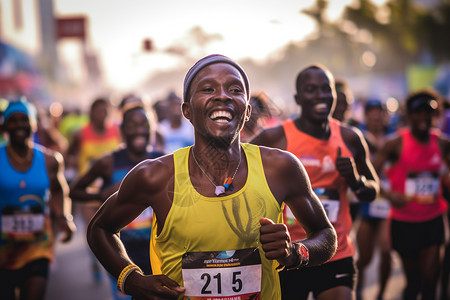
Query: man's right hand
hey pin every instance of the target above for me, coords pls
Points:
(154, 287)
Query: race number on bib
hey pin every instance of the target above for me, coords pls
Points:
(379, 208)
(22, 225)
(422, 187)
(330, 202)
(222, 275)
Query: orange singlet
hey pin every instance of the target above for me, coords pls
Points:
(318, 158)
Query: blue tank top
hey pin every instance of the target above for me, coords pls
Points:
(24, 211)
(123, 164)
(24, 189)
(140, 228)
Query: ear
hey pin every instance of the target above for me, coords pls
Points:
(248, 112)
(186, 109)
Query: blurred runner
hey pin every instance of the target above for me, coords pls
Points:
(416, 155)
(33, 202)
(261, 117)
(92, 141)
(175, 129)
(335, 157)
(137, 132)
(372, 228)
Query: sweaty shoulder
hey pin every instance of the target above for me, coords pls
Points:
(271, 137)
(152, 175)
(284, 171)
(353, 139)
(350, 134)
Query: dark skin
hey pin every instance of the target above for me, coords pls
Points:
(317, 98)
(217, 87)
(135, 131)
(19, 130)
(421, 272)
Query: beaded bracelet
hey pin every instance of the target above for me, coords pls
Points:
(123, 276)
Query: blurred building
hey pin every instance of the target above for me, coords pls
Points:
(32, 61)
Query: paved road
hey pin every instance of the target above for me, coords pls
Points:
(70, 277)
(70, 274)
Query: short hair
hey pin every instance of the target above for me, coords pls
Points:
(424, 98)
(97, 102)
(315, 66)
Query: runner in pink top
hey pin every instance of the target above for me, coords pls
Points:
(416, 155)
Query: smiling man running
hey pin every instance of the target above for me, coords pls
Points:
(218, 205)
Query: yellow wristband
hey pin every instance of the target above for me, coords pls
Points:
(123, 276)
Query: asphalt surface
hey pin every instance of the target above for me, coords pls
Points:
(70, 273)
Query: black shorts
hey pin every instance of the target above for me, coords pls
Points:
(14, 278)
(297, 284)
(409, 238)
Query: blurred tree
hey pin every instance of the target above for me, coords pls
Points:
(404, 32)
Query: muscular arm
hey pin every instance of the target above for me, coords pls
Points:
(353, 168)
(444, 146)
(60, 204)
(73, 150)
(102, 168)
(146, 185)
(290, 183)
(390, 152)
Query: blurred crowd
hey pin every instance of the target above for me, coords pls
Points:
(86, 139)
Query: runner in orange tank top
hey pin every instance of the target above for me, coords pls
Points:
(335, 157)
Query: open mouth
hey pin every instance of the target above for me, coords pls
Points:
(139, 142)
(21, 133)
(321, 108)
(221, 116)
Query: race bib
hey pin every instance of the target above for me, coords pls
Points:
(422, 187)
(379, 208)
(222, 275)
(330, 202)
(20, 224)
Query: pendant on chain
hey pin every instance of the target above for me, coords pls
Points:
(219, 190)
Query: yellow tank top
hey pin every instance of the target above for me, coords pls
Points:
(218, 227)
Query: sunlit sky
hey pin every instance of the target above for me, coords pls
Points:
(248, 28)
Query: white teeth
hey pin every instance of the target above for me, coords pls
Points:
(221, 114)
(321, 106)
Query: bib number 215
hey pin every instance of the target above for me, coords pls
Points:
(236, 283)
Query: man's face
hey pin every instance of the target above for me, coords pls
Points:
(421, 119)
(99, 113)
(316, 95)
(18, 128)
(136, 130)
(218, 105)
(340, 109)
(375, 118)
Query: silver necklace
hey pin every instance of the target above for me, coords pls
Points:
(227, 185)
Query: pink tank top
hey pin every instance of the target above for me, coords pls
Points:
(416, 175)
